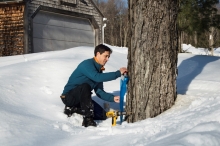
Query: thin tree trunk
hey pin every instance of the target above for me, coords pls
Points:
(120, 23)
(180, 41)
(211, 40)
(125, 36)
(111, 35)
(152, 57)
(195, 38)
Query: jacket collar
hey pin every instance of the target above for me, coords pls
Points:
(101, 67)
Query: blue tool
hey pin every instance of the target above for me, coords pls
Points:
(123, 90)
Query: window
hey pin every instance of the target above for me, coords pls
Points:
(10, 0)
(5, 0)
(71, 3)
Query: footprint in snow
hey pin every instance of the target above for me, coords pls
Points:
(65, 128)
(26, 78)
(46, 90)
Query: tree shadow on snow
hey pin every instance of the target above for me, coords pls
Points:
(189, 69)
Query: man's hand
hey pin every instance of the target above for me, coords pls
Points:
(117, 99)
(123, 70)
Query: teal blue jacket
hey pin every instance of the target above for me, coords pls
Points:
(89, 71)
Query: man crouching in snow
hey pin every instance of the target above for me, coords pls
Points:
(86, 77)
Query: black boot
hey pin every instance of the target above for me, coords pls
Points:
(88, 121)
(88, 118)
(71, 110)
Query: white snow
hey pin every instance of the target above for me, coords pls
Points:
(31, 112)
(199, 51)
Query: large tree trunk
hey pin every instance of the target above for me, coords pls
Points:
(152, 57)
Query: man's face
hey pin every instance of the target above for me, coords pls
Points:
(103, 58)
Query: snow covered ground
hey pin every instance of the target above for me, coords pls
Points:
(199, 51)
(31, 112)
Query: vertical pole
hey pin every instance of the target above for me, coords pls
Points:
(103, 27)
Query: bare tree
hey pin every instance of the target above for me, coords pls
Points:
(123, 22)
(126, 31)
(116, 13)
(110, 13)
(152, 57)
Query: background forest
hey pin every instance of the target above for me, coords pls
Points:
(198, 22)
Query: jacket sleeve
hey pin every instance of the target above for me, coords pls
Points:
(102, 94)
(96, 76)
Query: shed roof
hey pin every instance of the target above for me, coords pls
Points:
(10, 1)
(18, 1)
(97, 8)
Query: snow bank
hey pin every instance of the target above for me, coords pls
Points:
(32, 112)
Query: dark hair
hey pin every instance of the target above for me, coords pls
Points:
(101, 49)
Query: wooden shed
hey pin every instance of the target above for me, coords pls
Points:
(30, 26)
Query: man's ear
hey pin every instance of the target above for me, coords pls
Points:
(98, 54)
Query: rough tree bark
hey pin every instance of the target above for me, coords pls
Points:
(152, 57)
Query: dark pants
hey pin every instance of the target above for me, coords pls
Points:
(80, 97)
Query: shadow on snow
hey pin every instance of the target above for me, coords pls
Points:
(189, 69)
